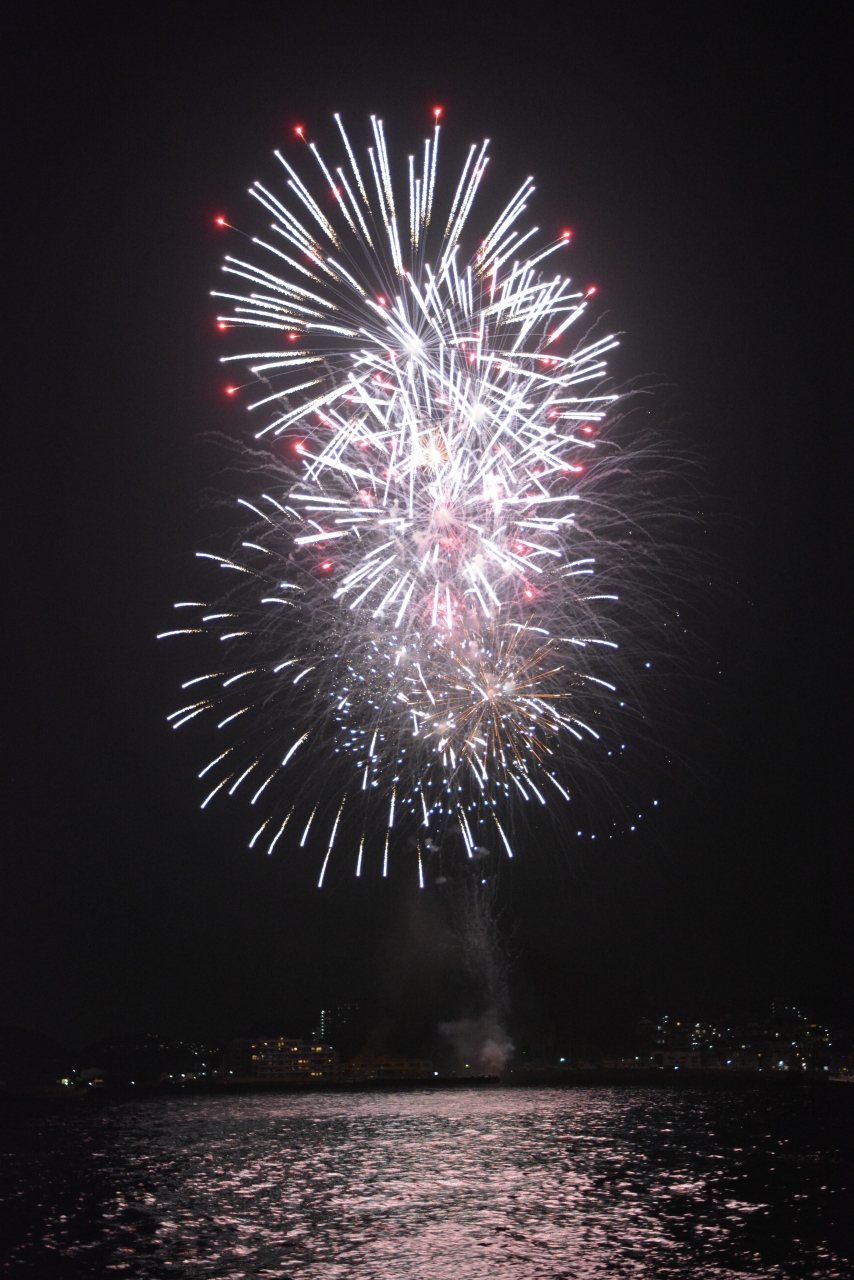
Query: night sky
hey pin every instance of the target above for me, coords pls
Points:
(699, 154)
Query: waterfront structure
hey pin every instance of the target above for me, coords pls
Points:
(686, 1058)
(386, 1068)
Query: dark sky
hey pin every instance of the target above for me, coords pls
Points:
(699, 153)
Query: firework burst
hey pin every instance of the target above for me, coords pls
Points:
(420, 630)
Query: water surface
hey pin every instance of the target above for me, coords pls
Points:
(496, 1184)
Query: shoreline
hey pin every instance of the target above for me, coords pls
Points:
(660, 1077)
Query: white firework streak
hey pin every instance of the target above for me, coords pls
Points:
(415, 609)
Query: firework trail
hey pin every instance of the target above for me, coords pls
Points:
(416, 635)
(480, 1037)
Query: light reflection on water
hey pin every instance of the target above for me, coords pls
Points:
(528, 1184)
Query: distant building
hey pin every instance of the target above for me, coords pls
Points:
(280, 1059)
(337, 1022)
(237, 1060)
(647, 1032)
